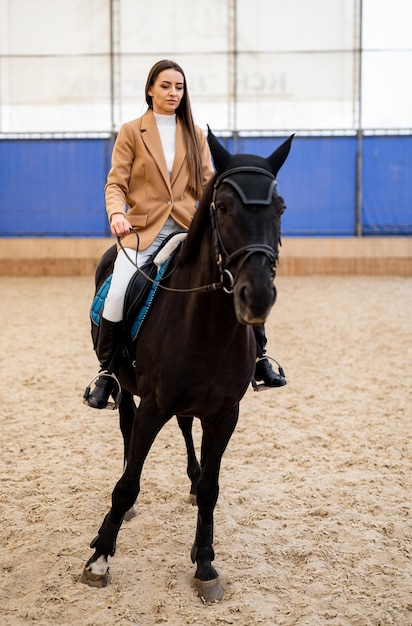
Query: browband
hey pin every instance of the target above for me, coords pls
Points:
(225, 177)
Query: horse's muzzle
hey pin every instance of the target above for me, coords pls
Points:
(253, 305)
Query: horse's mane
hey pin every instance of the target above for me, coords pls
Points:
(200, 223)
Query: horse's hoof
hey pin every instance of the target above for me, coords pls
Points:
(130, 514)
(93, 580)
(209, 591)
(192, 499)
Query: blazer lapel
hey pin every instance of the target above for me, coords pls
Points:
(180, 152)
(153, 143)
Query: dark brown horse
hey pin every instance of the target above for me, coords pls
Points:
(196, 352)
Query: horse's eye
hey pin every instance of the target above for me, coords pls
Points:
(280, 206)
(221, 208)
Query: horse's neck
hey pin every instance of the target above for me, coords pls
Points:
(206, 309)
(198, 268)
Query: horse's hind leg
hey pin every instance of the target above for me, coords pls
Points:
(216, 436)
(147, 423)
(193, 467)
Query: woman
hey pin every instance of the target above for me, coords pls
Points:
(160, 165)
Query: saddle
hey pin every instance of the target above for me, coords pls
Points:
(140, 292)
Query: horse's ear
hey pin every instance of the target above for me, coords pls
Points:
(220, 155)
(279, 156)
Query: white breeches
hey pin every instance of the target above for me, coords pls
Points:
(125, 267)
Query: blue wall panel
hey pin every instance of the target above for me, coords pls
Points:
(318, 182)
(387, 185)
(53, 187)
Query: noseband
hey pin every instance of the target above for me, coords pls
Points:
(223, 258)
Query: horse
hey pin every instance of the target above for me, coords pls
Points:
(195, 354)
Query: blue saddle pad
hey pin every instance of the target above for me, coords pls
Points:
(99, 300)
(141, 315)
(96, 308)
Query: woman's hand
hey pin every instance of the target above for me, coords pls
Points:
(120, 225)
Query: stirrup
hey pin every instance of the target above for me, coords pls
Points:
(117, 398)
(261, 386)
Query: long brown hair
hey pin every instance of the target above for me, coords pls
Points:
(184, 113)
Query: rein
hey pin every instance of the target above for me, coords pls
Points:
(209, 287)
(222, 257)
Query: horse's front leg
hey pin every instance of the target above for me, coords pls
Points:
(193, 466)
(215, 438)
(147, 423)
(127, 412)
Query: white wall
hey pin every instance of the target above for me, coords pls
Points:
(266, 65)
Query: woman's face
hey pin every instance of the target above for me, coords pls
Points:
(167, 92)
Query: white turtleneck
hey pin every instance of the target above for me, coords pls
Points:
(166, 125)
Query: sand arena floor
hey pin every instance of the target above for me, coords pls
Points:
(313, 523)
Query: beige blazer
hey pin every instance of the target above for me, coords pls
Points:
(139, 185)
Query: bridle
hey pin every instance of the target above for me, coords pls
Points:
(222, 258)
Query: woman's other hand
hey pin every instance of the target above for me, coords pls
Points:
(120, 225)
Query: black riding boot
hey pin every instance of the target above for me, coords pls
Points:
(108, 351)
(263, 369)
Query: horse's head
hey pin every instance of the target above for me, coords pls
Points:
(246, 212)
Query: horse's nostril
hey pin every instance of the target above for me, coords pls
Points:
(250, 295)
(243, 294)
(253, 304)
